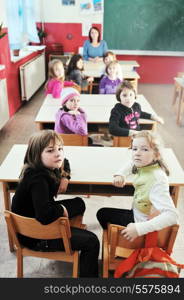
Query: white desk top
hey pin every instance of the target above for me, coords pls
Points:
(93, 164)
(127, 74)
(97, 108)
(126, 65)
(93, 100)
(180, 81)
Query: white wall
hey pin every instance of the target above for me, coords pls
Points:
(54, 12)
(3, 13)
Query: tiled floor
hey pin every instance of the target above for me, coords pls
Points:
(18, 130)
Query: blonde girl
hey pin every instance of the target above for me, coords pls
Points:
(153, 208)
(110, 82)
(56, 79)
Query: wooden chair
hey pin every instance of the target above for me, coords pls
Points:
(121, 141)
(115, 247)
(74, 139)
(59, 229)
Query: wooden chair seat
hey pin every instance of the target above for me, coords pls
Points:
(30, 227)
(121, 141)
(115, 247)
(74, 139)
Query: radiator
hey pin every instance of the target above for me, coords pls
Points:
(32, 76)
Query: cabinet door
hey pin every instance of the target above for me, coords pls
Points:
(4, 110)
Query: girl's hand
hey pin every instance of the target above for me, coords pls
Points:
(130, 232)
(119, 181)
(90, 79)
(158, 119)
(97, 59)
(63, 185)
(74, 112)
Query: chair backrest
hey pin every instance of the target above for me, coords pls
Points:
(121, 141)
(30, 227)
(74, 139)
(121, 247)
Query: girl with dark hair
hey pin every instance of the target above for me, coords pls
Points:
(124, 118)
(75, 71)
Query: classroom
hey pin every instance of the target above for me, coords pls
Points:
(151, 60)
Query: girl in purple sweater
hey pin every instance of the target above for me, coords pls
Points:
(110, 82)
(70, 118)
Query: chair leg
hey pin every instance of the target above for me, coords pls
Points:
(75, 265)
(105, 255)
(19, 264)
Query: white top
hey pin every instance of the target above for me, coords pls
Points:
(161, 200)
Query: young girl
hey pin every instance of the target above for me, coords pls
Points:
(34, 198)
(56, 81)
(70, 118)
(153, 207)
(75, 71)
(109, 83)
(108, 57)
(124, 118)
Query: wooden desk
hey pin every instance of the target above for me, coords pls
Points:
(97, 107)
(179, 92)
(93, 176)
(97, 69)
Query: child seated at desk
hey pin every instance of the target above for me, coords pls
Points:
(70, 118)
(110, 82)
(153, 208)
(56, 81)
(75, 72)
(124, 118)
(43, 173)
(108, 57)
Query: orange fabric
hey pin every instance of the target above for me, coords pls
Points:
(147, 254)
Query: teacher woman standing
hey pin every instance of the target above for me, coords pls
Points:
(94, 48)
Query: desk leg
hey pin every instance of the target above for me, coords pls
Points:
(175, 93)
(175, 194)
(39, 126)
(181, 95)
(154, 127)
(8, 207)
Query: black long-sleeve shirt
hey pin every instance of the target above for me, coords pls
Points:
(123, 119)
(34, 196)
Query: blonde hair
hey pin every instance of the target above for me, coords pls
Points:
(37, 143)
(155, 144)
(113, 63)
(51, 65)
